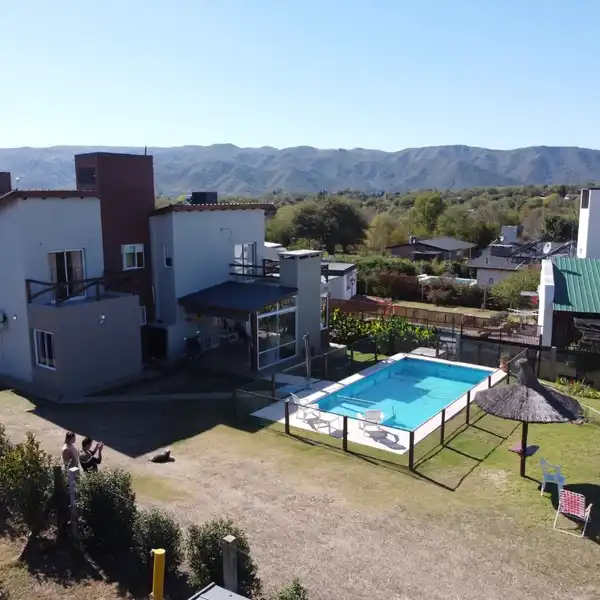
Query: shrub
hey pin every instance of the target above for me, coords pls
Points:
(205, 555)
(25, 481)
(294, 591)
(347, 329)
(157, 529)
(4, 441)
(107, 511)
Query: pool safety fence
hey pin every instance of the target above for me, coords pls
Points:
(354, 429)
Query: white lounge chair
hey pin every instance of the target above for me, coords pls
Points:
(303, 411)
(370, 423)
(551, 474)
(320, 417)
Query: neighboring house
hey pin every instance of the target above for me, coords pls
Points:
(569, 290)
(340, 280)
(215, 285)
(509, 254)
(440, 248)
(63, 328)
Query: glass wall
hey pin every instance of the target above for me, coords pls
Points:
(276, 332)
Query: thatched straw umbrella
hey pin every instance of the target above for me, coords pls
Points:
(528, 401)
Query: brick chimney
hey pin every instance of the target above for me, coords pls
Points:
(5, 183)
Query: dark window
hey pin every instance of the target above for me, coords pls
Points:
(585, 198)
(86, 176)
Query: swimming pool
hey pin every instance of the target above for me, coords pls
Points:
(409, 391)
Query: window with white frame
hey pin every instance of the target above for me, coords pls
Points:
(67, 269)
(276, 332)
(143, 317)
(491, 281)
(244, 259)
(168, 256)
(44, 349)
(324, 310)
(133, 256)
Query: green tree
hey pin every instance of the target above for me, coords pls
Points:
(280, 228)
(380, 231)
(508, 291)
(455, 221)
(556, 228)
(426, 210)
(333, 221)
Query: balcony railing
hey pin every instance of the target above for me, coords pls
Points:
(267, 270)
(59, 293)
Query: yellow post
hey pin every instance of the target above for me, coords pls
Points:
(158, 574)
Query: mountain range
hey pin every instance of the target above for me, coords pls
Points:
(231, 170)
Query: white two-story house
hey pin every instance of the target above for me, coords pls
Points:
(213, 284)
(61, 331)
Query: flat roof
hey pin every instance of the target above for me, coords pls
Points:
(576, 284)
(214, 207)
(43, 194)
(235, 297)
(444, 242)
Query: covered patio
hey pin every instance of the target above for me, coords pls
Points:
(244, 327)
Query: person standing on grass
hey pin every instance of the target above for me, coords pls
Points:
(70, 455)
(88, 458)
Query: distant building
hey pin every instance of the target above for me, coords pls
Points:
(440, 248)
(508, 254)
(569, 290)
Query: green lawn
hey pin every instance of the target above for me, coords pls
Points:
(475, 462)
(462, 310)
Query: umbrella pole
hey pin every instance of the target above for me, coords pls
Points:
(524, 447)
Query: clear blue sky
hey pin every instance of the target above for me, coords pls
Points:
(385, 74)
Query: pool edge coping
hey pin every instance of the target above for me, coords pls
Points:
(336, 387)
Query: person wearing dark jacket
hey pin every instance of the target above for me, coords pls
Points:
(90, 459)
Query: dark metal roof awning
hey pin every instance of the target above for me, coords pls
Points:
(233, 297)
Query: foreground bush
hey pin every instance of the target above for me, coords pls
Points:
(157, 529)
(4, 441)
(107, 511)
(25, 481)
(294, 591)
(205, 556)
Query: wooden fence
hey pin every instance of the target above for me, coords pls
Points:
(386, 308)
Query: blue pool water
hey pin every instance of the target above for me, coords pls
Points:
(408, 392)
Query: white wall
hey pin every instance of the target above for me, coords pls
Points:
(588, 240)
(15, 341)
(203, 245)
(488, 277)
(342, 287)
(29, 230)
(55, 224)
(546, 302)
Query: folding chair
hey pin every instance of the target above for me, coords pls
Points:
(572, 504)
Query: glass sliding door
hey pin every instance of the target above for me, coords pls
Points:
(244, 260)
(276, 332)
(67, 268)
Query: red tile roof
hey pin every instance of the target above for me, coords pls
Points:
(215, 207)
